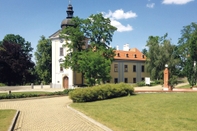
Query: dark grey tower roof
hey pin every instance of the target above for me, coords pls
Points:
(67, 22)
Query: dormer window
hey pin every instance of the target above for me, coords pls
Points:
(118, 54)
(142, 56)
(127, 55)
(135, 56)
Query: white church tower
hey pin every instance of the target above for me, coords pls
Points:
(61, 78)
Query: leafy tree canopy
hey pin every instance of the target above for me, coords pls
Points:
(187, 50)
(97, 32)
(25, 45)
(161, 52)
(15, 65)
(43, 60)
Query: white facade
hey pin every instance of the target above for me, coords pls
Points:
(58, 74)
(61, 78)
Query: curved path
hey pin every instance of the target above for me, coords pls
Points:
(48, 114)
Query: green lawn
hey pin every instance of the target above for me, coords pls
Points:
(150, 112)
(6, 117)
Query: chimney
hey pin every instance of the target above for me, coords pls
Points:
(126, 47)
(117, 48)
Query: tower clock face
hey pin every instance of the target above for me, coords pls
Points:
(61, 40)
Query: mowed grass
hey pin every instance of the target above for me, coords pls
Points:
(150, 112)
(6, 117)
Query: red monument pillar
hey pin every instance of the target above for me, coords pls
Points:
(166, 79)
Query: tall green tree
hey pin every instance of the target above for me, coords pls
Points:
(144, 51)
(18, 57)
(97, 32)
(43, 58)
(161, 52)
(187, 50)
(15, 64)
(25, 45)
(75, 43)
(95, 66)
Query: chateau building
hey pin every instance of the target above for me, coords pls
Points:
(128, 64)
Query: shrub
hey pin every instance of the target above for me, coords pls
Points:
(101, 92)
(141, 83)
(2, 84)
(173, 81)
(158, 82)
(134, 85)
(66, 91)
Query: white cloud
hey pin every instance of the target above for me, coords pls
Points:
(120, 27)
(150, 5)
(178, 2)
(118, 15)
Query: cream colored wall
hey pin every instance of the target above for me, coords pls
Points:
(112, 73)
(145, 73)
(78, 78)
(130, 74)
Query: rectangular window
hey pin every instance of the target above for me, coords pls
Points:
(134, 68)
(115, 80)
(115, 67)
(61, 68)
(142, 68)
(142, 78)
(61, 52)
(134, 80)
(125, 68)
(125, 80)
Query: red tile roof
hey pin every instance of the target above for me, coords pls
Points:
(132, 54)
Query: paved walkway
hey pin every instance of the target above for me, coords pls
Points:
(29, 88)
(48, 114)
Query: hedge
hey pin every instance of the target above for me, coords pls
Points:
(101, 92)
(29, 94)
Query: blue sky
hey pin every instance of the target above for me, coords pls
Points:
(136, 20)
